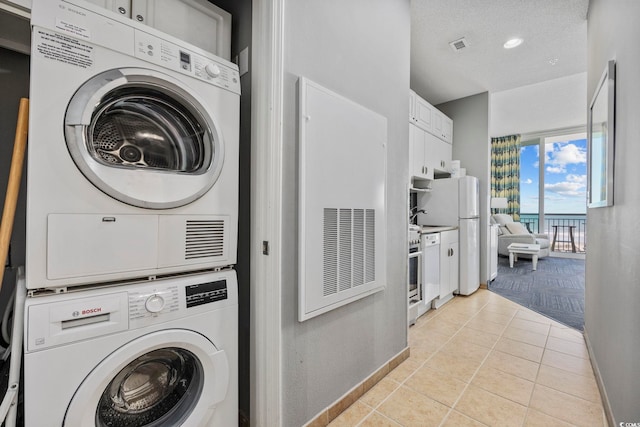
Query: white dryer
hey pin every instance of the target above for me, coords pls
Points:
(161, 353)
(133, 151)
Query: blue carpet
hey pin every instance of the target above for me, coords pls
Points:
(555, 289)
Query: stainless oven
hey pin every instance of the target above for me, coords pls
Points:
(415, 275)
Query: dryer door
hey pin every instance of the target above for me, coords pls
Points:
(165, 378)
(144, 138)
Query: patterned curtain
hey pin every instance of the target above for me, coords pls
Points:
(505, 172)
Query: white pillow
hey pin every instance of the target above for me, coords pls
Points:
(517, 228)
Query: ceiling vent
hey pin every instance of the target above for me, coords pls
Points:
(458, 45)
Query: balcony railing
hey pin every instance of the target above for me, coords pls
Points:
(567, 232)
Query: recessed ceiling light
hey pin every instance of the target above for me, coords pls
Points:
(510, 44)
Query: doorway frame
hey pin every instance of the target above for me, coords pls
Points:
(266, 212)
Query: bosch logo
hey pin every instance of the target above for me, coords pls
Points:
(91, 311)
(75, 313)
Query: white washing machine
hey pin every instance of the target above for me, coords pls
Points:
(133, 151)
(161, 353)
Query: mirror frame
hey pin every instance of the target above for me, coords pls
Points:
(604, 155)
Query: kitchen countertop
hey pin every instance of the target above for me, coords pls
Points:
(426, 229)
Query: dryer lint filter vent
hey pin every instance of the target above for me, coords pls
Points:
(204, 238)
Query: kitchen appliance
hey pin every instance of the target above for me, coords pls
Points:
(151, 353)
(415, 274)
(430, 244)
(455, 202)
(133, 151)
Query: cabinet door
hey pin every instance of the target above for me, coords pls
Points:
(123, 7)
(448, 262)
(195, 21)
(454, 261)
(422, 114)
(442, 126)
(437, 153)
(447, 129)
(419, 168)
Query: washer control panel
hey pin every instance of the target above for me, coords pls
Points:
(153, 302)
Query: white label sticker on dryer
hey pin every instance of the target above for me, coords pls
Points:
(72, 28)
(64, 49)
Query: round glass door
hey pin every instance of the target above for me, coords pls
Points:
(143, 128)
(166, 378)
(143, 138)
(157, 388)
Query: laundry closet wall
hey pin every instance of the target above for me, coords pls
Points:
(14, 81)
(359, 49)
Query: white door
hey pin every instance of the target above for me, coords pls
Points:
(469, 256)
(143, 139)
(164, 378)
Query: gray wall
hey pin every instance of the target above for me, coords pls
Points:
(240, 38)
(359, 49)
(612, 295)
(471, 146)
(14, 81)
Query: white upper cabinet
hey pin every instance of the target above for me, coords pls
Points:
(421, 113)
(431, 138)
(443, 127)
(429, 118)
(418, 161)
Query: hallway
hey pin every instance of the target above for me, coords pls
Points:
(484, 360)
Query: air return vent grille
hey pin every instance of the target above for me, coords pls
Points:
(204, 239)
(458, 45)
(349, 249)
(342, 201)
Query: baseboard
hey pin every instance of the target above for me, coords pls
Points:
(603, 392)
(339, 406)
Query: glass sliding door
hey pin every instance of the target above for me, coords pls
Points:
(530, 184)
(553, 188)
(565, 191)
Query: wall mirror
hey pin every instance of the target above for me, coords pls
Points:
(601, 133)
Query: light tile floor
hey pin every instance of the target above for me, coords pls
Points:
(483, 360)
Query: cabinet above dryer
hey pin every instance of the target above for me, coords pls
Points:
(194, 21)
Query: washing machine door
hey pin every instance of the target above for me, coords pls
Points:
(144, 138)
(166, 378)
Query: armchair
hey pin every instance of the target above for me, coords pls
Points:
(514, 232)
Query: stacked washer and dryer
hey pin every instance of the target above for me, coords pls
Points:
(132, 206)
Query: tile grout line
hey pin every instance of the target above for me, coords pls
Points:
(535, 382)
(477, 369)
(400, 384)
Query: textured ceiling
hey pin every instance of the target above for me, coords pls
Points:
(551, 29)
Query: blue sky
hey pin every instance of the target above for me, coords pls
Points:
(565, 175)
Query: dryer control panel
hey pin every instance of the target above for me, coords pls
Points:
(162, 52)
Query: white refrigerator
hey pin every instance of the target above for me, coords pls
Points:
(455, 202)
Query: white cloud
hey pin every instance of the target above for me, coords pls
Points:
(581, 179)
(558, 156)
(566, 188)
(527, 181)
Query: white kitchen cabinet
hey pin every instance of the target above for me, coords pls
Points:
(437, 154)
(449, 261)
(421, 112)
(442, 127)
(417, 155)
